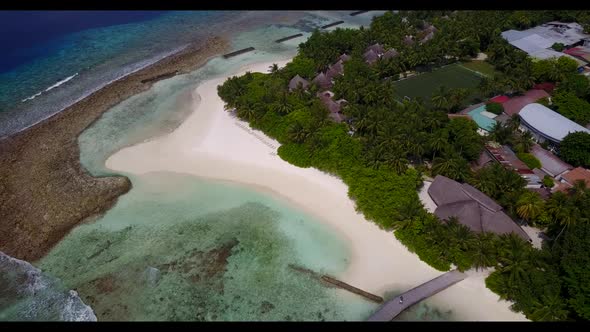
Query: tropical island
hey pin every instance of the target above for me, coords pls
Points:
(337, 107)
(304, 166)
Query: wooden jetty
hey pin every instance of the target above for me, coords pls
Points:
(358, 12)
(333, 282)
(332, 24)
(393, 307)
(352, 289)
(238, 52)
(289, 37)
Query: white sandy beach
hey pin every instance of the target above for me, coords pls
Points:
(213, 144)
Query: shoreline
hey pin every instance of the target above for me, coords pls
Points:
(44, 190)
(210, 144)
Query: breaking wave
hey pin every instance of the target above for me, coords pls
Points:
(27, 294)
(50, 88)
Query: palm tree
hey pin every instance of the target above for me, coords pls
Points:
(282, 106)
(274, 68)
(514, 259)
(249, 113)
(550, 308)
(438, 141)
(567, 218)
(484, 251)
(298, 133)
(524, 142)
(513, 122)
(461, 237)
(396, 160)
(529, 205)
(441, 98)
(453, 167)
(578, 189)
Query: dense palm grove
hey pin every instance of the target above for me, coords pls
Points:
(387, 145)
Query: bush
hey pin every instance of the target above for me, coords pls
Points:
(495, 108)
(558, 47)
(575, 149)
(548, 181)
(529, 160)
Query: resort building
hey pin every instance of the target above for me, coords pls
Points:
(471, 207)
(515, 104)
(547, 125)
(507, 158)
(334, 107)
(537, 41)
(550, 163)
(391, 53)
(370, 57)
(377, 48)
(336, 69)
(296, 82)
(567, 180)
(344, 57)
(322, 81)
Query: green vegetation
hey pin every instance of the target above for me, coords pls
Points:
(425, 85)
(495, 108)
(558, 47)
(548, 181)
(388, 136)
(575, 149)
(482, 67)
(530, 160)
(572, 107)
(554, 70)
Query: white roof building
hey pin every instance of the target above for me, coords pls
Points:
(537, 41)
(547, 125)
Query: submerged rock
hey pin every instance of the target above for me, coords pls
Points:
(152, 276)
(26, 294)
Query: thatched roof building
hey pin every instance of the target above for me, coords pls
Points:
(391, 53)
(370, 57)
(408, 40)
(298, 81)
(471, 207)
(344, 57)
(335, 70)
(337, 117)
(322, 81)
(377, 48)
(428, 37)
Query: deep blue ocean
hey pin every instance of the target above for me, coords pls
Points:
(27, 35)
(51, 59)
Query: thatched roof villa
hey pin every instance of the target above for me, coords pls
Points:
(391, 53)
(471, 207)
(298, 81)
(377, 48)
(344, 57)
(370, 57)
(322, 81)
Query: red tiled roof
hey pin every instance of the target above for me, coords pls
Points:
(576, 174)
(499, 99)
(514, 105)
(547, 87)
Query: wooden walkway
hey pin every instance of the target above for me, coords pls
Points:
(393, 307)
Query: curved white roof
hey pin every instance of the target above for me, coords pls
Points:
(548, 122)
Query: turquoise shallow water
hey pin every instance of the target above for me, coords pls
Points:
(181, 248)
